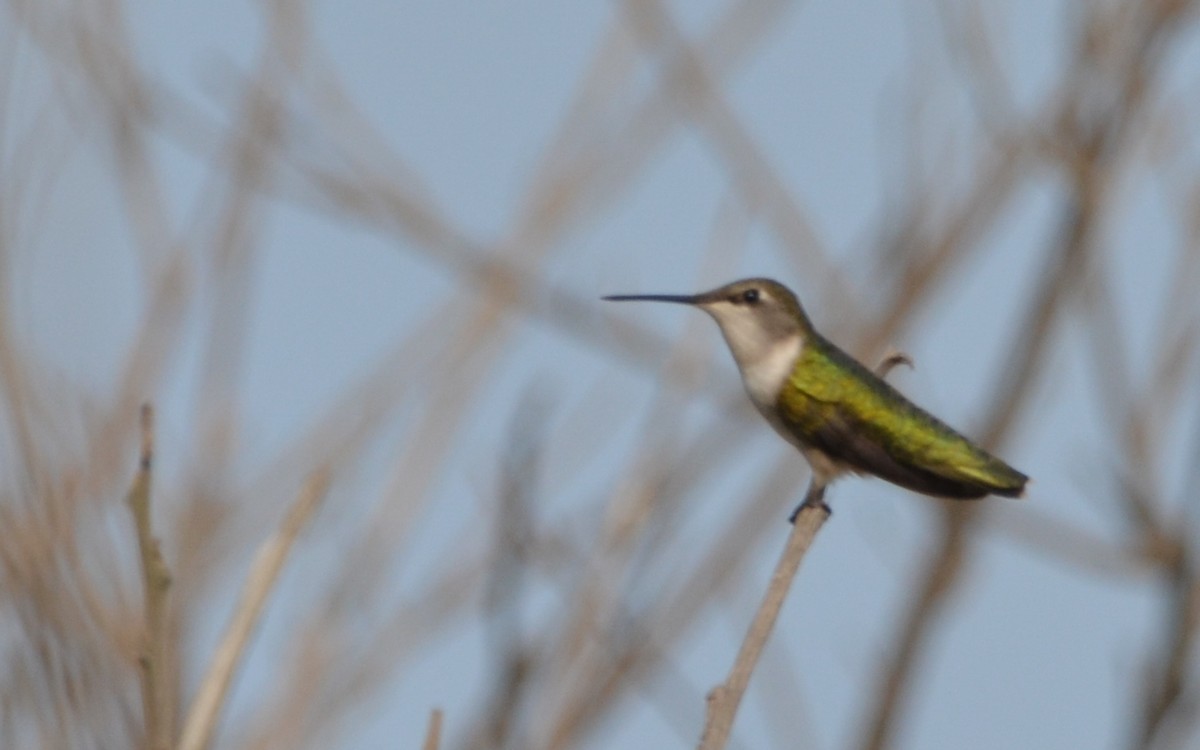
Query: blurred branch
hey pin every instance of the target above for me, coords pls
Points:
(589, 657)
(696, 92)
(507, 584)
(941, 573)
(945, 566)
(1063, 542)
(331, 673)
(156, 583)
(352, 192)
(1168, 708)
(1165, 681)
(628, 653)
(947, 563)
(970, 43)
(264, 572)
(724, 699)
(433, 735)
(1093, 147)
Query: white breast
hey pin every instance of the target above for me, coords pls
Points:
(763, 380)
(764, 376)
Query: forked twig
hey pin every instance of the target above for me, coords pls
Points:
(206, 707)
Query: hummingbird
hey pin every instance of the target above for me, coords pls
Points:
(843, 418)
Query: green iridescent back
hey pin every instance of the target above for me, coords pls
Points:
(833, 404)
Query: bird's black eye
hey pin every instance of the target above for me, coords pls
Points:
(750, 296)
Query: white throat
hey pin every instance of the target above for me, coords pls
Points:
(764, 360)
(764, 376)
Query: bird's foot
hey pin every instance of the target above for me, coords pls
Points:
(814, 499)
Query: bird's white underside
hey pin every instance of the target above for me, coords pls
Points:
(765, 365)
(764, 377)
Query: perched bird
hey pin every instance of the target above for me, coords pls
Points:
(838, 413)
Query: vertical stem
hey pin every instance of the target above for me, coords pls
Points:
(206, 707)
(433, 733)
(156, 581)
(724, 699)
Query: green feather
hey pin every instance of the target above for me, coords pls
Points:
(833, 404)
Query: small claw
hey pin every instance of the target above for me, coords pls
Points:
(819, 505)
(890, 361)
(814, 499)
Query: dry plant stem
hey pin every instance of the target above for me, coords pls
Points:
(724, 699)
(156, 581)
(1166, 688)
(206, 708)
(433, 735)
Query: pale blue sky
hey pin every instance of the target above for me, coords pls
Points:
(1030, 654)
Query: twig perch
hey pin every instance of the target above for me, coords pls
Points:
(156, 582)
(206, 708)
(723, 700)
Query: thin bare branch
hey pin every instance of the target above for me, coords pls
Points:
(156, 584)
(264, 572)
(433, 734)
(724, 699)
(1167, 679)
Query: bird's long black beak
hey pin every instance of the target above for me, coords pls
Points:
(683, 299)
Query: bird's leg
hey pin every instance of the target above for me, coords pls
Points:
(814, 498)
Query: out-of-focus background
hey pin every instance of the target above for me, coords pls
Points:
(369, 239)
